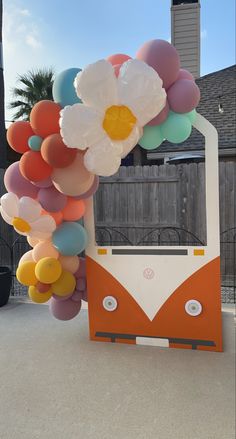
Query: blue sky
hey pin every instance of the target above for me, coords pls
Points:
(73, 33)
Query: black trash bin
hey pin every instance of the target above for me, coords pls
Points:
(5, 285)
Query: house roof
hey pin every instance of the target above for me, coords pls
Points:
(217, 87)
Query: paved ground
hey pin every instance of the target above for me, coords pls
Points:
(55, 384)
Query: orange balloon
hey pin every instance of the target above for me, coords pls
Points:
(18, 135)
(44, 118)
(118, 58)
(56, 153)
(74, 210)
(58, 217)
(33, 167)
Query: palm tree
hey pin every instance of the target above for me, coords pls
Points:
(2, 112)
(33, 86)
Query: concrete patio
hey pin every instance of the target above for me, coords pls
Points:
(55, 384)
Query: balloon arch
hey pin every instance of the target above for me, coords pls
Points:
(98, 115)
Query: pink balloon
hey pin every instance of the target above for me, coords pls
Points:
(91, 191)
(118, 58)
(81, 272)
(16, 183)
(81, 284)
(62, 298)
(85, 296)
(185, 74)
(64, 310)
(42, 288)
(161, 117)
(51, 199)
(183, 96)
(162, 57)
(44, 183)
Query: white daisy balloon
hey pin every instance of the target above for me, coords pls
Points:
(110, 121)
(25, 215)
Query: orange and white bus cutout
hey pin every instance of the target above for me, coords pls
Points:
(164, 296)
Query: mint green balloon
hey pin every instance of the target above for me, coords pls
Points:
(152, 137)
(176, 128)
(191, 115)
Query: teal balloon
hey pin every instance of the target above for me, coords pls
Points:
(177, 128)
(35, 143)
(152, 137)
(63, 89)
(70, 238)
(191, 115)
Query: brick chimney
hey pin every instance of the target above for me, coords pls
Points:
(185, 33)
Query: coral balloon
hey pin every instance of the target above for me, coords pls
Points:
(38, 297)
(42, 288)
(65, 284)
(185, 74)
(16, 183)
(183, 96)
(33, 167)
(44, 249)
(74, 210)
(117, 69)
(161, 117)
(48, 270)
(73, 180)
(25, 273)
(162, 57)
(64, 310)
(56, 153)
(44, 118)
(70, 263)
(118, 58)
(57, 216)
(18, 134)
(52, 200)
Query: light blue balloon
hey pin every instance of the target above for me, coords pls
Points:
(70, 238)
(176, 128)
(191, 115)
(152, 137)
(35, 143)
(63, 89)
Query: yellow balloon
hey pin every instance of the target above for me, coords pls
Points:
(48, 270)
(65, 284)
(25, 273)
(38, 297)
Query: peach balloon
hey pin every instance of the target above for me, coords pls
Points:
(73, 180)
(32, 241)
(44, 249)
(57, 216)
(28, 256)
(69, 263)
(74, 210)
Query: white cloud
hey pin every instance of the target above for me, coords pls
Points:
(33, 42)
(25, 12)
(203, 34)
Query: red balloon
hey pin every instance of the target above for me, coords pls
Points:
(118, 58)
(117, 69)
(183, 96)
(42, 288)
(44, 118)
(161, 117)
(56, 153)
(33, 167)
(162, 57)
(18, 135)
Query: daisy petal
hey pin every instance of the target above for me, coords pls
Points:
(81, 126)
(103, 158)
(29, 209)
(140, 89)
(129, 143)
(43, 227)
(9, 203)
(96, 85)
(6, 218)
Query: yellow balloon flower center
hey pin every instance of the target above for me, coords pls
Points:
(21, 225)
(118, 122)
